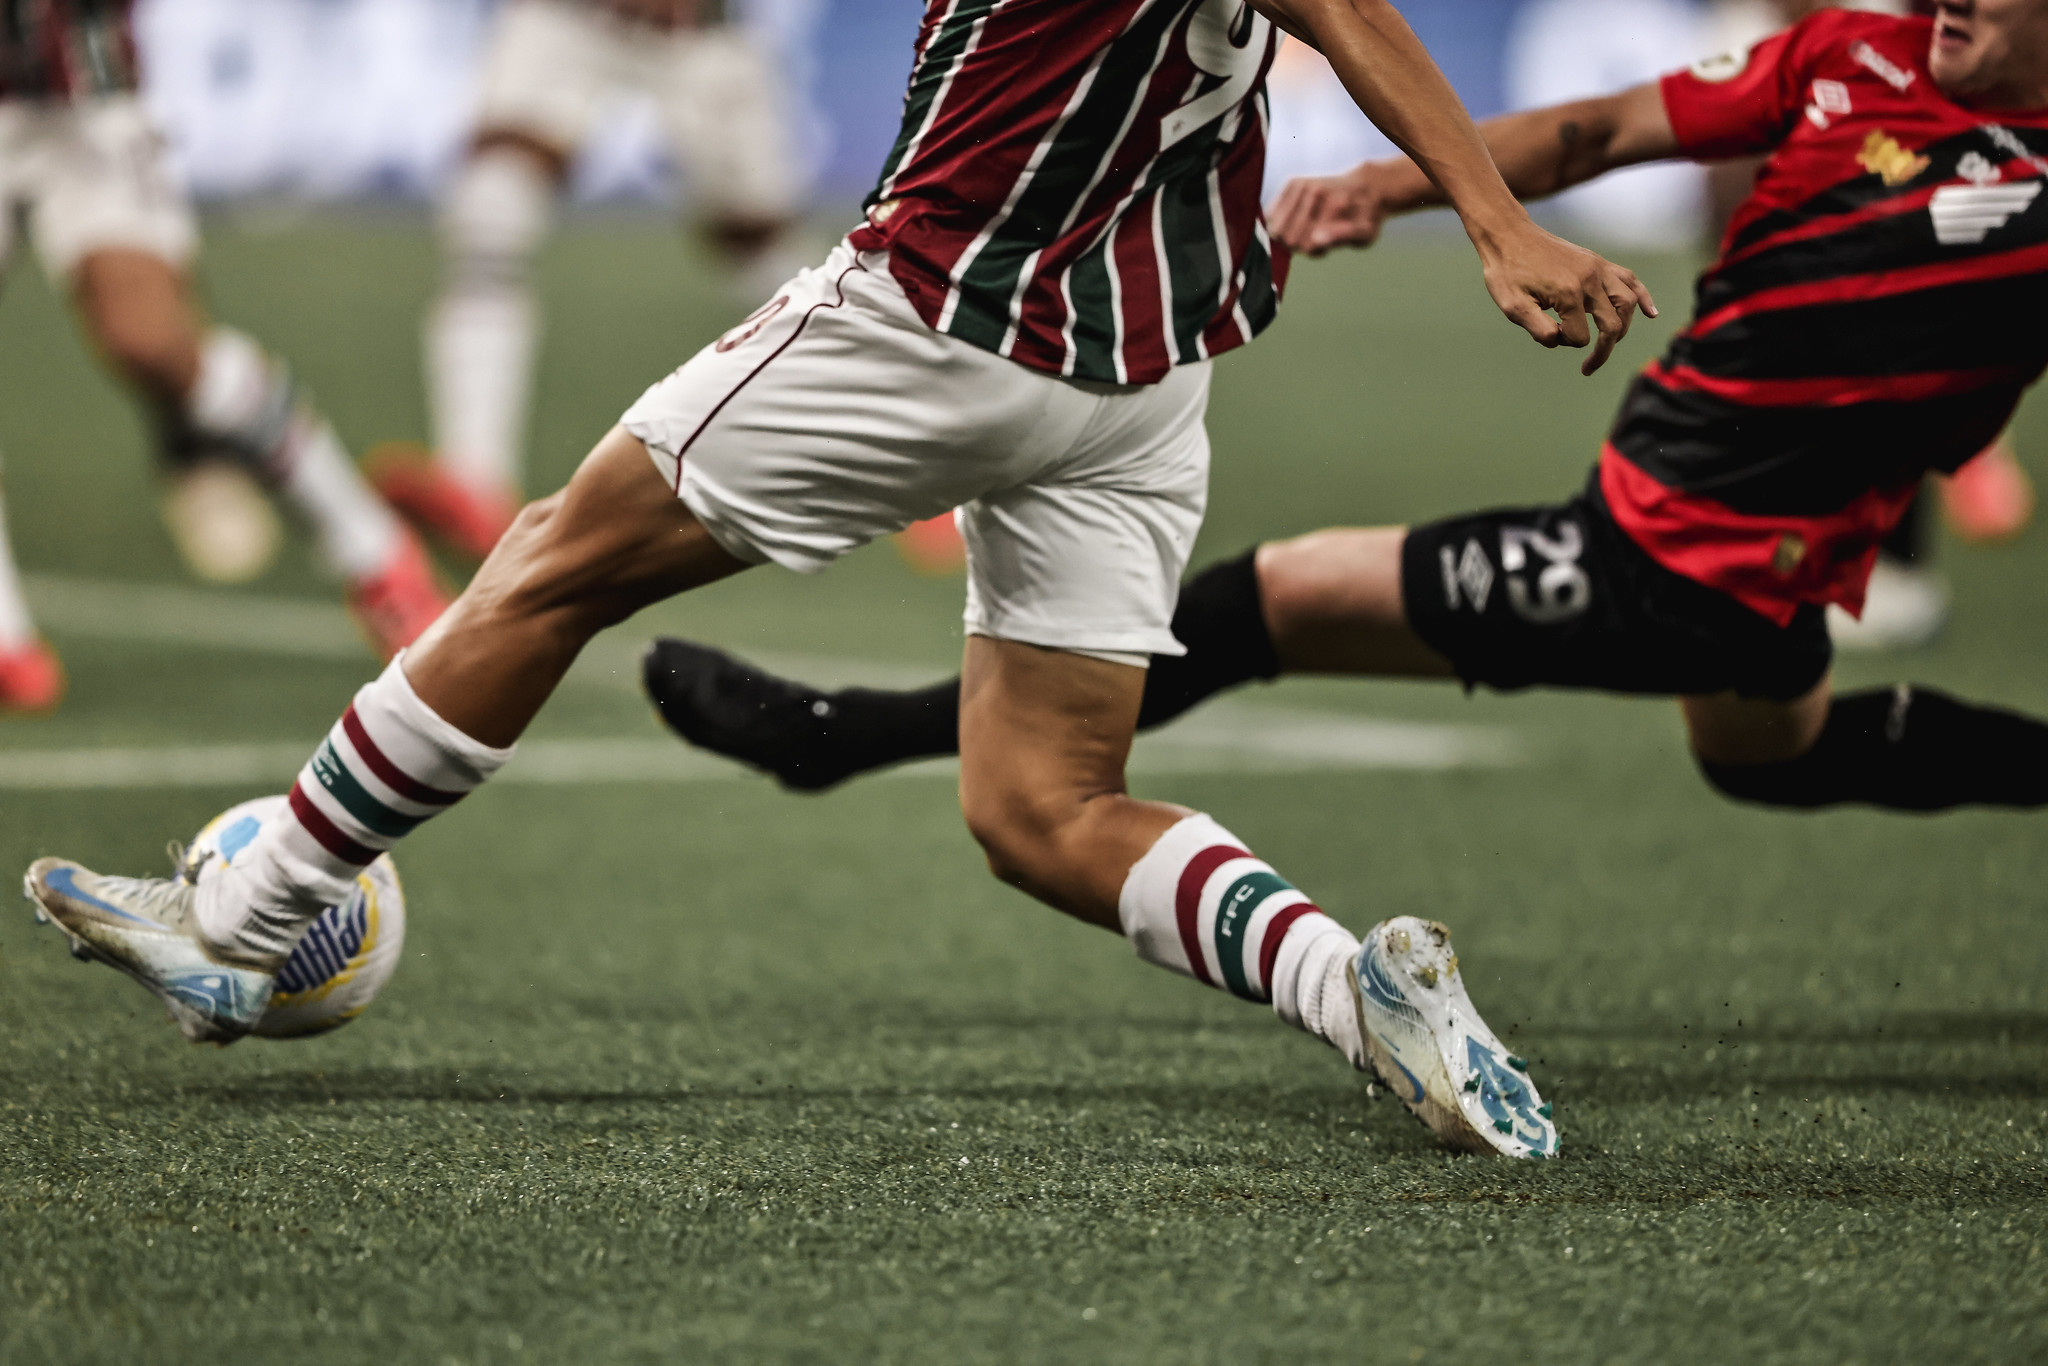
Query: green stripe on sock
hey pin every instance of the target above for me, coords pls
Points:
(1233, 918)
(374, 815)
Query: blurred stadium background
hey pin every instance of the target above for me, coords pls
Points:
(369, 99)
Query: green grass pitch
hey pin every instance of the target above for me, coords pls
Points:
(697, 1071)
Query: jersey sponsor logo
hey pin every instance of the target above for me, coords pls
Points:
(2007, 141)
(1965, 215)
(1869, 58)
(1883, 157)
(1724, 66)
(1560, 588)
(1976, 168)
(1830, 101)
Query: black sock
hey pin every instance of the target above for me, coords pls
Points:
(1218, 619)
(1910, 749)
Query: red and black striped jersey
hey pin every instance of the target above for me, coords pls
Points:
(1076, 182)
(1873, 313)
(61, 49)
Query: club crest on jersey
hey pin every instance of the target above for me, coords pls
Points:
(1883, 157)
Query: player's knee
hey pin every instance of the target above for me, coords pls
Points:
(497, 212)
(1018, 830)
(1339, 574)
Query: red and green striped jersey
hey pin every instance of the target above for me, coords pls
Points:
(61, 49)
(1076, 183)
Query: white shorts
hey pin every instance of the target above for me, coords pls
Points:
(553, 65)
(834, 415)
(91, 175)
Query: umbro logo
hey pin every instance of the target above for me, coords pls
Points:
(1965, 215)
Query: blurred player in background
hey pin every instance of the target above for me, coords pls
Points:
(552, 68)
(1988, 499)
(1873, 315)
(83, 168)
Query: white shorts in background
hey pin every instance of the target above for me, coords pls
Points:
(834, 415)
(553, 65)
(90, 174)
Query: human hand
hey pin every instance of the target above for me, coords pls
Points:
(1532, 274)
(1315, 213)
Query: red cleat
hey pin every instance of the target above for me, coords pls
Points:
(399, 601)
(933, 546)
(1990, 498)
(31, 678)
(466, 519)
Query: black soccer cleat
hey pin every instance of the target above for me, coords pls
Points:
(730, 707)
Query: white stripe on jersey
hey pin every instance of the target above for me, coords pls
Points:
(931, 113)
(1002, 215)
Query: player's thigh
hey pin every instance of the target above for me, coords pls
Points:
(137, 308)
(1087, 554)
(1332, 601)
(547, 72)
(101, 183)
(729, 112)
(1559, 595)
(834, 415)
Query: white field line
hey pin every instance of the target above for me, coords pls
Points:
(1225, 737)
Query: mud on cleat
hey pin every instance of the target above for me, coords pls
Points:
(1428, 1044)
(145, 927)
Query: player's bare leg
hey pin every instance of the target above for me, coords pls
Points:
(214, 391)
(614, 540)
(1043, 737)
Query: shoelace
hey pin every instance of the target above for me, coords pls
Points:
(163, 900)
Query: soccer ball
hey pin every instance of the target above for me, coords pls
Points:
(347, 955)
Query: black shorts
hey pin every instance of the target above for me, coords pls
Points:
(1560, 595)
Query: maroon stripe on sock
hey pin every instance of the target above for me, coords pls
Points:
(1276, 930)
(1187, 903)
(327, 832)
(390, 774)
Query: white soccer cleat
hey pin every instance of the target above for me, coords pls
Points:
(1427, 1043)
(145, 928)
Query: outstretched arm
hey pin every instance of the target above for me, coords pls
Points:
(1538, 151)
(1528, 271)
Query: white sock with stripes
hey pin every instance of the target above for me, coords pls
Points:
(1199, 903)
(387, 765)
(246, 401)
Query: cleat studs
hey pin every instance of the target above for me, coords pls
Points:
(1518, 1064)
(1398, 941)
(1472, 1083)
(1544, 1109)
(1427, 976)
(1501, 1126)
